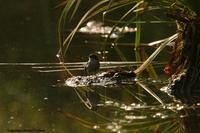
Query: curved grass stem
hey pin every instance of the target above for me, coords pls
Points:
(155, 53)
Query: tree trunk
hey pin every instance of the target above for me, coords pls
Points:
(186, 82)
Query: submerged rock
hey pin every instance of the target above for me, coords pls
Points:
(111, 77)
(184, 88)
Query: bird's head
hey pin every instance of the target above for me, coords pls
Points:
(93, 56)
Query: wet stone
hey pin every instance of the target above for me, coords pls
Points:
(103, 79)
(182, 91)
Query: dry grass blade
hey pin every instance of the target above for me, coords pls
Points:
(155, 53)
(133, 9)
(150, 92)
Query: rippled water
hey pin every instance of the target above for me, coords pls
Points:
(38, 100)
(132, 108)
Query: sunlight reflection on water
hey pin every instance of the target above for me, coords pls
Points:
(94, 27)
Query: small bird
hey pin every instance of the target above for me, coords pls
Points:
(92, 65)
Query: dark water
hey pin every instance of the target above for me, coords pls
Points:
(33, 101)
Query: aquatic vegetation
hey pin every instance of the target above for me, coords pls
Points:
(161, 113)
